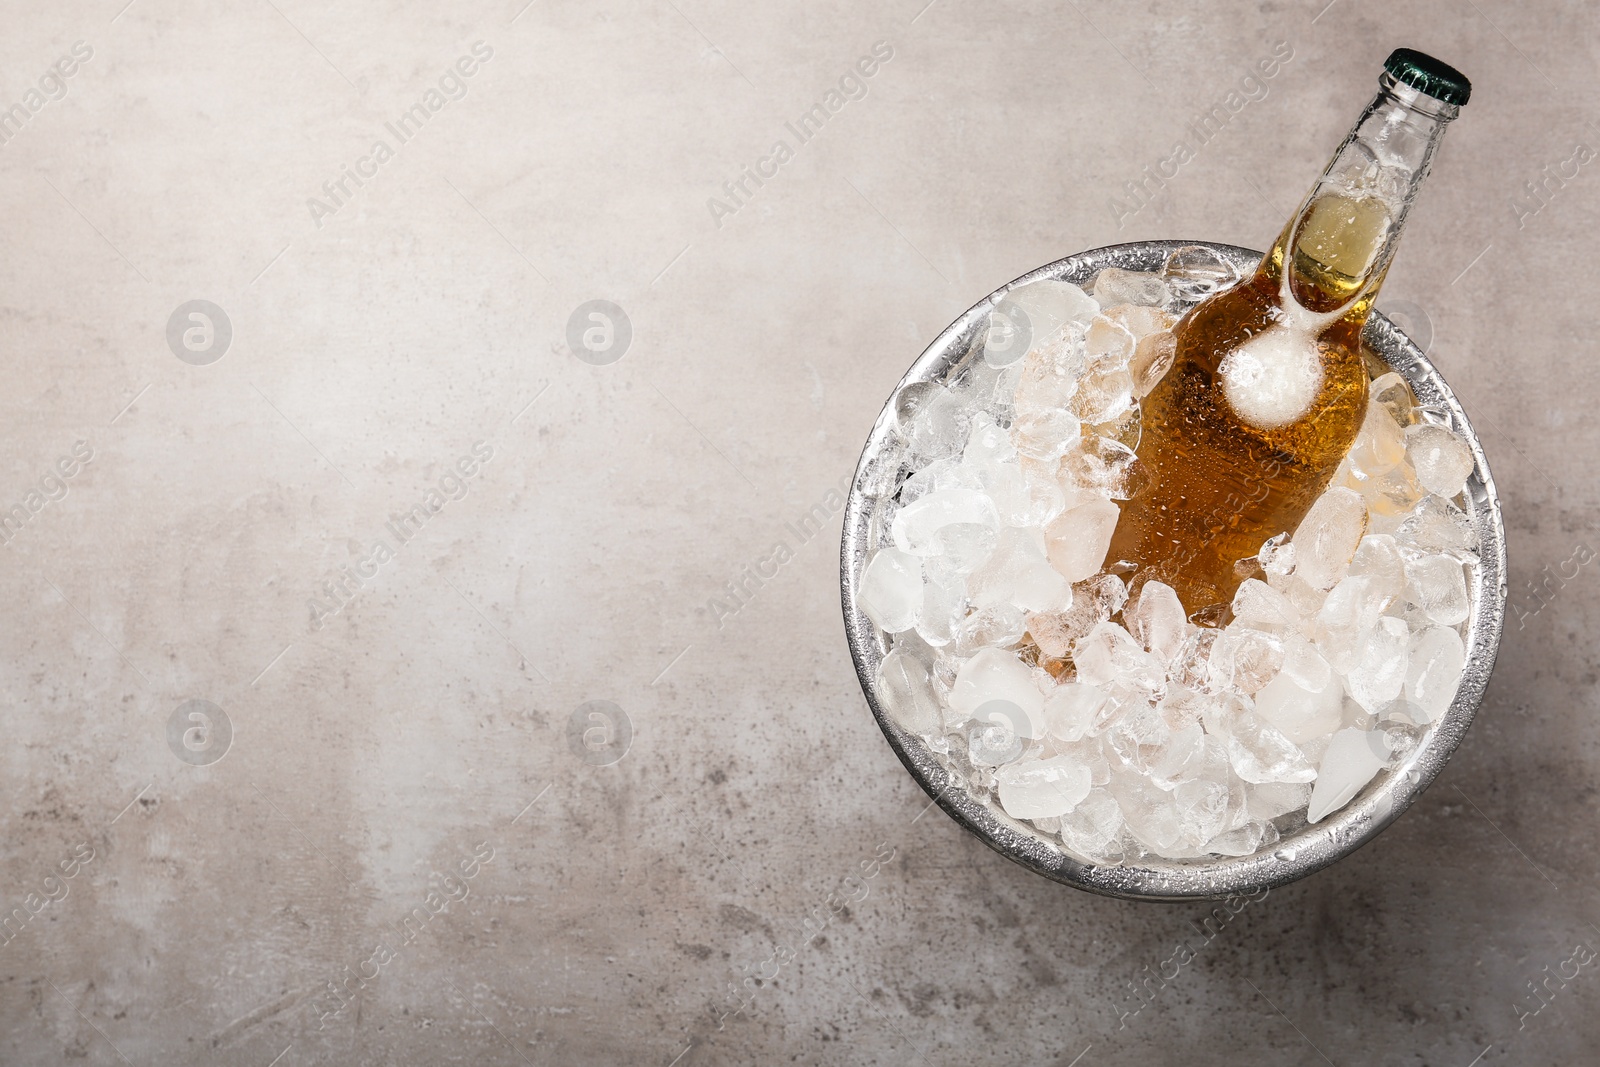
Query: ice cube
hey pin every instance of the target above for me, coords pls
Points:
(948, 572)
(1045, 498)
(1078, 539)
(998, 626)
(1158, 620)
(1114, 286)
(1108, 653)
(994, 676)
(1110, 592)
(1046, 435)
(1347, 619)
(1100, 466)
(1378, 557)
(1401, 738)
(993, 744)
(1150, 815)
(966, 545)
(1093, 602)
(1395, 395)
(1261, 607)
(1306, 598)
(940, 474)
(1093, 830)
(891, 589)
(1126, 429)
(1182, 706)
(1014, 499)
(1261, 753)
(1313, 749)
(988, 445)
(919, 527)
(1353, 758)
(1140, 321)
(1217, 764)
(1091, 751)
(941, 603)
(1327, 537)
(938, 423)
(1277, 555)
(1248, 659)
(1436, 525)
(1170, 759)
(1071, 709)
(1179, 756)
(988, 389)
(1194, 271)
(909, 401)
(906, 693)
(1191, 664)
(1049, 376)
(1441, 459)
(1055, 632)
(1381, 672)
(1304, 665)
(1244, 840)
(1271, 799)
(1051, 306)
(1392, 493)
(1438, 586)
(1142, 738)
(1137, 735)
(1119, 701)
(1071, 491)
(1018, 572)
(1434, 671)
(1042, 788)
(1153, 356)
(1103, 396)
(1108, 345)
(1009, 335)
(1202, 808)
(1380, 445)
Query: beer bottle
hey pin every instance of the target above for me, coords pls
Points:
(1268, 387)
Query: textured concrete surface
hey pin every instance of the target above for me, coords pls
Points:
(424, 843)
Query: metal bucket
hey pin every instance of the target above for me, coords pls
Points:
(1294, 856)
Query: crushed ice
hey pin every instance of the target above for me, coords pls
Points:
(1120, 728)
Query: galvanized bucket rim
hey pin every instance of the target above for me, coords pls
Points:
(1307, 850)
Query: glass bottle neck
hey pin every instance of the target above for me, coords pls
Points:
(1338, 246)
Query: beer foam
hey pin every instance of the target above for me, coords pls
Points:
(1272, 379)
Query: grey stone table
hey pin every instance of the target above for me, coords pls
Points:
(409, 660)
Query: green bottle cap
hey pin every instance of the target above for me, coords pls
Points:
(1428, 75)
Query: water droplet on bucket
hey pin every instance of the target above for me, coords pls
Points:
(1286, 854)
